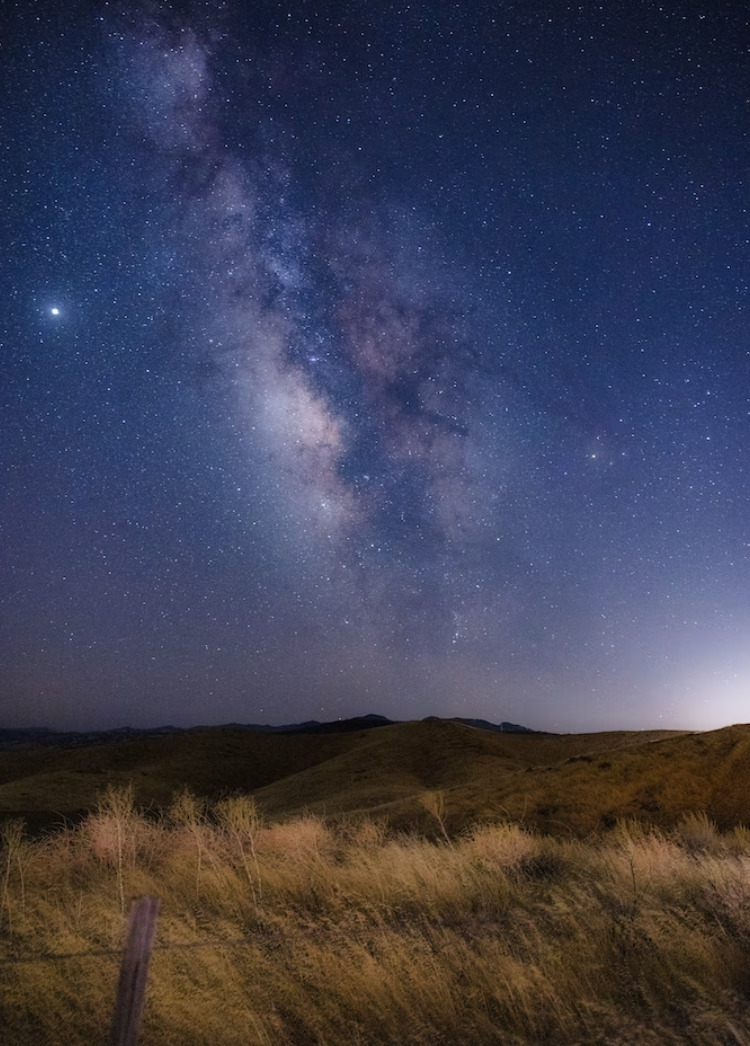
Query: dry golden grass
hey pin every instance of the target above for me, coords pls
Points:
(45, 783)
(316, 933)
(555, 784)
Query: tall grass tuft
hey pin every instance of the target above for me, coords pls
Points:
(238, 817)
(13, 844)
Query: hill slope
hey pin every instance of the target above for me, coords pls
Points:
(557, 783)
(577, 783)
(43, 784)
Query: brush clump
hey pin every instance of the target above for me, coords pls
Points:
(317, 933)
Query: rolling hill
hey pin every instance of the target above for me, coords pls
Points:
(575, 783)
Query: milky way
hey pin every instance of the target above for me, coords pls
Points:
(390, 360)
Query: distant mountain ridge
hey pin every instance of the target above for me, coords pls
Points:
(483, 724)
(47, 738)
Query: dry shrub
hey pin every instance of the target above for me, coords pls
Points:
(698, 834)
(303, 839)
(366, 835)
(506, 846)
(738, 840)
(112, 832)
(239, 819)
(13, 847)
(643, 858)
(188, 811)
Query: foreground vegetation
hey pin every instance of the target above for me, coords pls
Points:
(307, 932)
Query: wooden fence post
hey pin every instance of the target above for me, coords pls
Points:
(134, 971)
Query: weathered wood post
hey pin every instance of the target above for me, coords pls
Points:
(131, 987)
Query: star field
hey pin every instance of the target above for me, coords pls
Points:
(375, 357)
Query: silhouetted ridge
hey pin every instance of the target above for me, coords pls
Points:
(44, 737)
(483, 724)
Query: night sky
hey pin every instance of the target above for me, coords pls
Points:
(375, 357)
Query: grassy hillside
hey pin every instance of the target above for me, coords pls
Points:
(43, 784)
(480, 775)
(554, 783)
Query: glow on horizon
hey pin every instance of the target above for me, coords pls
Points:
(715, 699)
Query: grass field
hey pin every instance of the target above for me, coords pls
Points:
(428, 894)
(306, 932)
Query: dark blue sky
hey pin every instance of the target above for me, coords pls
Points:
(375, 357)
